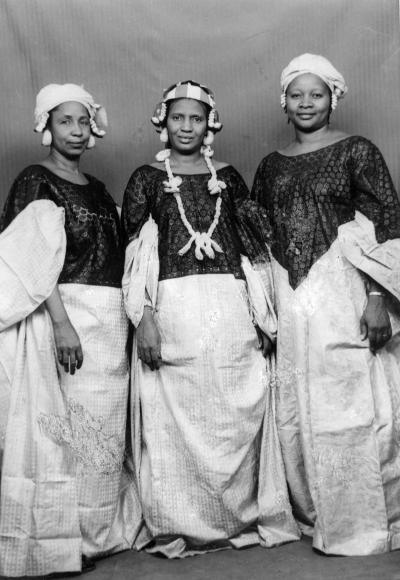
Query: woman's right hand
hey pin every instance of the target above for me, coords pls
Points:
(149, 340)
(68, 345)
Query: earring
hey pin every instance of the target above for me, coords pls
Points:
(208, 138)
(46, 138)
(91, 143)
(164, 135)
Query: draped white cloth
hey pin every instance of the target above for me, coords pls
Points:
(339, 405)
(63, 489)
(202, 422)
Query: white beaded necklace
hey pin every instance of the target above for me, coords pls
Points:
(203, 241)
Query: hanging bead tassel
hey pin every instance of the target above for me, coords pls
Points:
(204, 244)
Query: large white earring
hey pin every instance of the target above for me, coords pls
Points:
(46, 138)
(91, 143)
(208, 139)
(164, 135)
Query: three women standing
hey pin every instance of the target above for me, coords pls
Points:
(334, 219)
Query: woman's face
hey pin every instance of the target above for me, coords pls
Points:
(70, 129)
(308, 102)
(186, 125)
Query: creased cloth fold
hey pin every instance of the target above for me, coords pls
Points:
(261, 295)
(379, 261)
(140, 279)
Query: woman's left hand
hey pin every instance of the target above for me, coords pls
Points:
(266, 345)
(375, 323)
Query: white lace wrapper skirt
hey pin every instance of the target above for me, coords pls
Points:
(96, 401)
(64, 490)
(338, 410)
(202, 422)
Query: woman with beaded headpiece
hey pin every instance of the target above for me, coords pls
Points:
(63, 366)
(334, 217)
(202, 399)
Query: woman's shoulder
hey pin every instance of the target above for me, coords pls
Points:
(34, 171)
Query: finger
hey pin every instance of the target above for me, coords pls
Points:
(72, 362)
(156, 357)
(65, 360)
(60, 355)
(79, 357)
(372, 340)
(363, 329)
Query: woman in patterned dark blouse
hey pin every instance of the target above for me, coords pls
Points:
(200, 387)
(334, 224)
(68, 425)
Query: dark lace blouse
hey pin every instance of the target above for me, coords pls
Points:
(309, 196)
(242, 226)
(95, 253)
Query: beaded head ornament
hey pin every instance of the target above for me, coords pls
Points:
(319, 66)
(204, 244)
(53, 95)
(187, 90)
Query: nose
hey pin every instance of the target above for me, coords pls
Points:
(306, 102)
(187, 125)
(77, 129)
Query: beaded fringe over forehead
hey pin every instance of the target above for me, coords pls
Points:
(189, 91)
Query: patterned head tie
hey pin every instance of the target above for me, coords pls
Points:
(187, 90)
(53, 95)
(319, 66)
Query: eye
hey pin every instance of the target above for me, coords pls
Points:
(175, 117)
(317, 95)
(85, 122)
(294, 95)
(197, 119)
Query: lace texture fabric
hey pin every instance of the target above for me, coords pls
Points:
(94, 252)
(243, 226)
(86, 438)
(309, 196)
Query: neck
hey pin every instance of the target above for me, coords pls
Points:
(181, 160)
(63, 163)
(313, 137)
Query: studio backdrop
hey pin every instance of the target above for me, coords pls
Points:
(126, 51)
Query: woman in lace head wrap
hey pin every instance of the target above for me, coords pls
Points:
(67, 414)
(198, 374)
(335, 222)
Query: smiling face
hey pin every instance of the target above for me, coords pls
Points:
(69, 125)
(308, 102)
(186, 125)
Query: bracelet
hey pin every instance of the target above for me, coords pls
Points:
(375, 293)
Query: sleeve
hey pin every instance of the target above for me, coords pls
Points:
(136, 207)
(29, 186)
(252, 221)
(374, 194)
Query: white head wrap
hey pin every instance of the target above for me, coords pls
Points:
(317, 65)
(53, 95)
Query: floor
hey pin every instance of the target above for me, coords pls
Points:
(296, 561)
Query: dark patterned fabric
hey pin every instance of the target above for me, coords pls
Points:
(95, 253)
(242, 227)
(309, 196)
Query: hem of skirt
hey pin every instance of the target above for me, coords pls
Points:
(183, 547)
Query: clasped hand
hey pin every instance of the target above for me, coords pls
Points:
(68, 345)
(149, 341)
(375, 323)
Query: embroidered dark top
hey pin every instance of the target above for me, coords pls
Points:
(309, 196)
(242, 226)
(95, 253)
